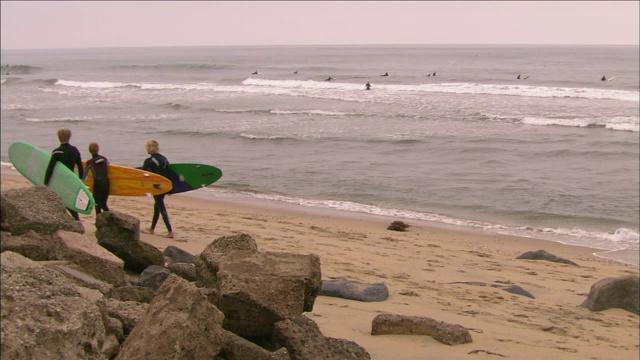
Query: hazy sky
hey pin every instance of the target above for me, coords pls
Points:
(75, 24)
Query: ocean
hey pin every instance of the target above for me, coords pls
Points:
(451, 136)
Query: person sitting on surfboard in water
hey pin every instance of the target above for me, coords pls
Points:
(98, 166)
(69, 156)
(157, 164)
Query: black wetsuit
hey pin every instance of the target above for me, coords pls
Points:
(70, 157)
(158, 164)
(98, 166)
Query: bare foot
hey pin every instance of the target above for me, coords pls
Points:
(148, 231)
(169, 235)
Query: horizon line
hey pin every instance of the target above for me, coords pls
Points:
(310, 45)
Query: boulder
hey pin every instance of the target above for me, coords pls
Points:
(36, 208)
(91, 258)
(621, 292)
(355, 290)
(31, 245)
(81, 278)
(179, 324)
(126, 312)
(120, 234)
(304, 341)
(238, 348)
(207, 262)
(177, 255)
(184, 270)
(153, 277)
(135, 293)
(44, 316)
(255, 289)
(543, 255)
(450, 334)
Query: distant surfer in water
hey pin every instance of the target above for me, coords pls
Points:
(604, 78)
(385, 74)
(368, 85)
(434, 73)
(518, 77)
(254, 73)
(328, 79)
(296, 72)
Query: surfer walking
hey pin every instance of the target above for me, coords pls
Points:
(157, 164)
(68, 155)
(98, 166)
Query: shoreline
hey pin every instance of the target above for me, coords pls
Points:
(430, 271)
(625, 256)
(629, 257)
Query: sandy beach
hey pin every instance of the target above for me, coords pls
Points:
(420, 267)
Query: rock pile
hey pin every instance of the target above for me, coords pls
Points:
(66, 296)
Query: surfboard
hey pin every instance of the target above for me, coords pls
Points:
(128, 181)
(611, 78)
(32, 163)
(187, 176)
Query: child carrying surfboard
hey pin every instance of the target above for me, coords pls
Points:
(98, 166)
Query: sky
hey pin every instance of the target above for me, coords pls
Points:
(96, 24)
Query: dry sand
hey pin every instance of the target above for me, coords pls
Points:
(419, 267)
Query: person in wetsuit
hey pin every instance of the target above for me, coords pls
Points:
(98, 166)
(157, 163)
(68, 155)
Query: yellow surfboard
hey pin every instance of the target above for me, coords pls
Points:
(128, 181)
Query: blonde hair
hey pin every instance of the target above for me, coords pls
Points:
(94, 148)
(64, 135)
(152, 146)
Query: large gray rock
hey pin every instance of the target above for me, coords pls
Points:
(177, 255)
(621, 292)
(36, 208)
(355, 290)
(120, 234)
(450, 334)
(91, 258)
(255, 289)
(44, 315)
(544, 255)
(179, 324)
(184, 270)
(304, 341)
(153, 277)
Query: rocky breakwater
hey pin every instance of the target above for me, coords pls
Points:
(67, 295)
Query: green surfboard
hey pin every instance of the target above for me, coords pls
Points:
(187, 177)
(32, 163)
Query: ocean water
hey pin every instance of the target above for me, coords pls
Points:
(451, 136)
